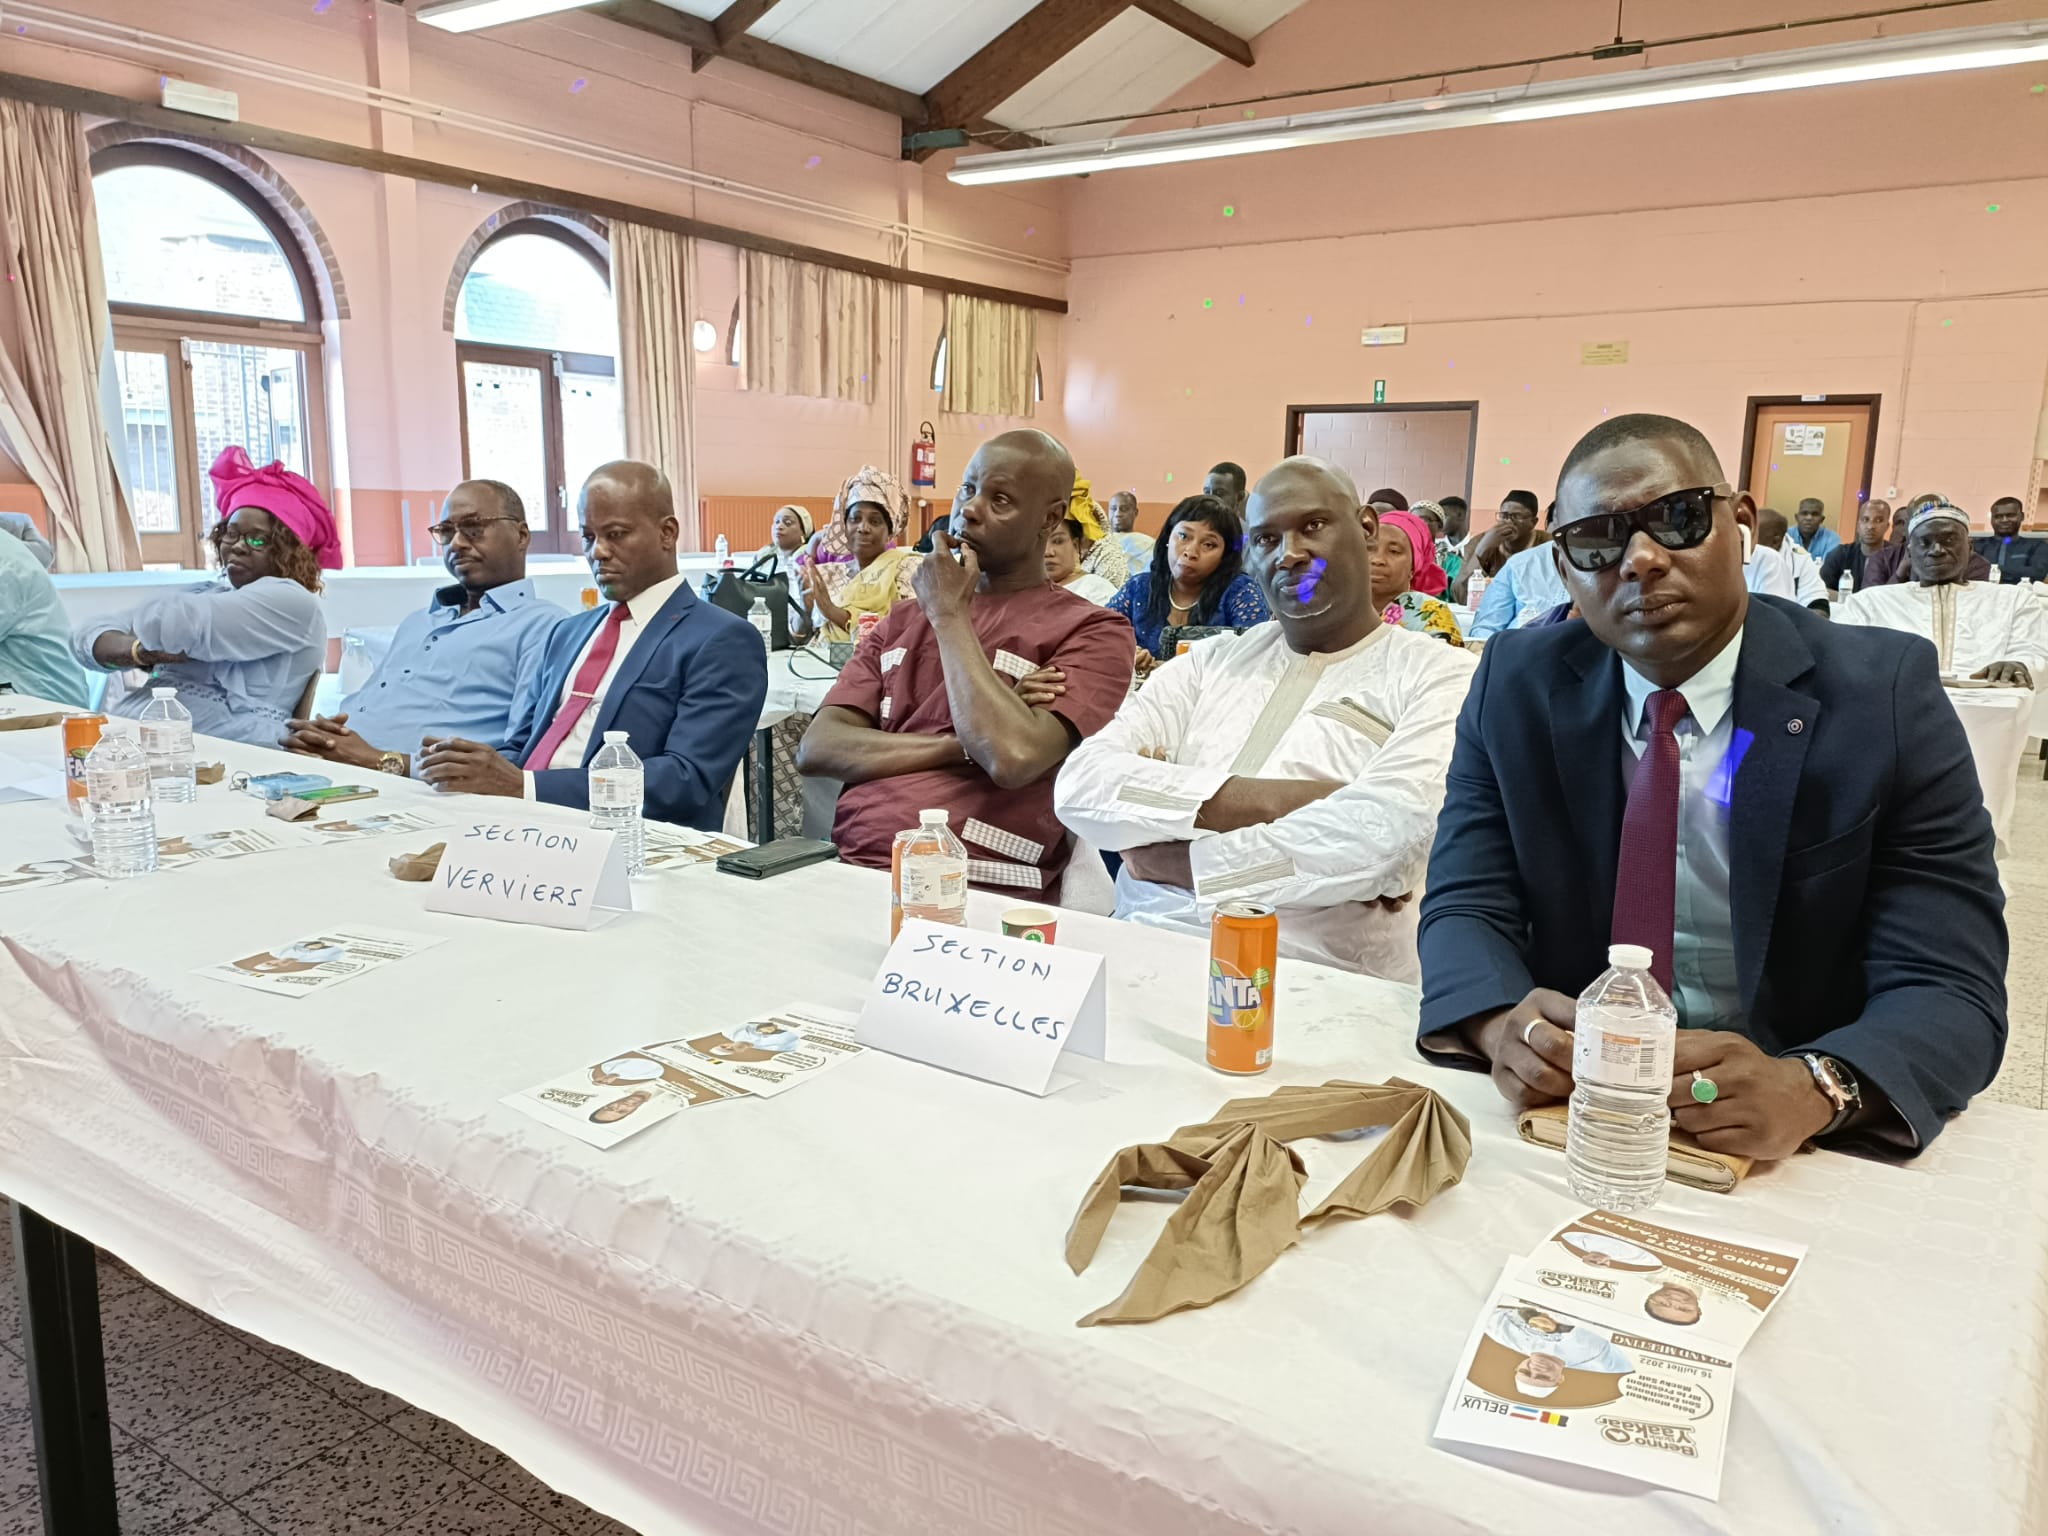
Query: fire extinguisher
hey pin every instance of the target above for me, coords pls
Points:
(924, 457)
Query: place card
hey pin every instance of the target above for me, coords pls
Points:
(1000, 1009)
(542, 873)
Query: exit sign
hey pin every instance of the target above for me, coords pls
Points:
(1379, 391)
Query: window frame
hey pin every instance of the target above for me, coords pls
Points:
(940, 359)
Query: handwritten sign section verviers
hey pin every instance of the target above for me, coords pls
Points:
(995, 1008)
(529, 872)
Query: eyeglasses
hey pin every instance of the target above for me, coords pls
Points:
(469, 530)
(225, 537)
(1681, 520)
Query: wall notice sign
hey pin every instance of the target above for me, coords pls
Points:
(991, 1007)
(1603, 354)
(1805, 441)
(529, 872)
(1384, 336)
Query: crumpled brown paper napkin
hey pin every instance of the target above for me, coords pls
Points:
(419, 866)
(210, 773)
(1243, 1208)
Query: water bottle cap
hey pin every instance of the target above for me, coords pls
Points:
(611, 736)
(1629, 957)
(163, 693)
(932, 818)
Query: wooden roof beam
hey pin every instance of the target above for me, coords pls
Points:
(1200, 28)
(1031, 45)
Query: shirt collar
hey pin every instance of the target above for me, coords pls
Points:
(505, 596)
(646, 605)
(1709, 692)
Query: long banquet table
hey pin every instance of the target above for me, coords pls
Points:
(845, 1309)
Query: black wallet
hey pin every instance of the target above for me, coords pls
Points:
(777, 858)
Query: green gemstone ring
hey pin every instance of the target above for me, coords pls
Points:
(1704, 1089)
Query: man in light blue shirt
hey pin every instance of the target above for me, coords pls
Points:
(1527, 587)
(457, 667)
(35, 634)
(1811, 534)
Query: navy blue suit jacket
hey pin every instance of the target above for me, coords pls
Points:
(1869, 924)
(688, 695)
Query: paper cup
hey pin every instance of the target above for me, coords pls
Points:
(1034, 925)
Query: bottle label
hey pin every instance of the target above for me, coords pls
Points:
(934, 882)
(1622, 1053)
(166, 736)
(118, 786)
(610, 791)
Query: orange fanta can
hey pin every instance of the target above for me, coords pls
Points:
(1244, 948)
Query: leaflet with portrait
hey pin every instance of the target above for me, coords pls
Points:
(319, 960)
(621, 1096)
(767, 1055)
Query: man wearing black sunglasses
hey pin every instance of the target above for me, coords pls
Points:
(1783, 810)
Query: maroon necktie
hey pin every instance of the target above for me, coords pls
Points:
(583, 691)
(1646, 877)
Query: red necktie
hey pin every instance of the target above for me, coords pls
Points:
(582, 692)
(1646, 877)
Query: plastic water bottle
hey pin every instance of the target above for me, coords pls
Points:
(167, 744)
(618, 785)
(763, 621)
(1619, 1130)
(1997, 575)
(928, 865)
(724, 550)
(1846, 587)
(117, 802)
(1475, 589)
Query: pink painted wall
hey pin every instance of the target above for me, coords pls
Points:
(1828, 242)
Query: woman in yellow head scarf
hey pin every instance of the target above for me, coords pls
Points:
(868, 517)
(1100, 554)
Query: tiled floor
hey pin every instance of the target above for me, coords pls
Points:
(218, 1434)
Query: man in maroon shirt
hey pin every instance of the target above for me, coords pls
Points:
(926, 716)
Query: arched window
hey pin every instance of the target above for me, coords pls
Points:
(939, 371)
(536, 336)
(216, 334)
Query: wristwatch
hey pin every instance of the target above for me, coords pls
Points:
(1840, 1085)
(391, 762)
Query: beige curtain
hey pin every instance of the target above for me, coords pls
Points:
(657, 365)
(55, 336)
(809, 330)
(991, 358)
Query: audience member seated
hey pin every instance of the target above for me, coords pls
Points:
(1526, 585)
(1801, 842)
(1300, 764)
(1457, 539)
(1489, 553)
(35, 635)
(1063, 563)
(2017, 557)
(241, 649)
(681, 677)
(1226, 483)
(1873, 527)
(1100, 554)
(1813, 535)
(1123, 522)
(459, 666)
(1197, 577)
(1804, 575)
(789, 537)
(1980, 629)
(1890, 564)
(926, 715)
(1406, 580)
(24, 528)
(858, 566)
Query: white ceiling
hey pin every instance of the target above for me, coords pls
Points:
(1131, 64)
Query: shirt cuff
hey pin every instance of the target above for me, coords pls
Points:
(531, 792)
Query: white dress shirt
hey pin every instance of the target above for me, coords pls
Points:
(640, 610)
(1769, 571)
(1379, 717)
(1703, 976)
(1972, 623)
(1807, 586)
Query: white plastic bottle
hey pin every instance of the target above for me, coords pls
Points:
(1997, 575)
(1620, 1126)
(618, 785)
(930, 869)
(724, 550)
(1846, 587)
(1475, 589)
(763, 622)
(167, 745)
(117, 804)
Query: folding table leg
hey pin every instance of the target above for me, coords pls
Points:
(67, 1376)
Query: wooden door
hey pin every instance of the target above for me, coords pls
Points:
(1822, 449)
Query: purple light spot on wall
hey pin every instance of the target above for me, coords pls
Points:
(1526, 388)
(1030, 230)
(322, 7)
(814, 162)
(1774, 469)
(576, 86)
(1451, 362)
(1308, 319)
(1240, 298)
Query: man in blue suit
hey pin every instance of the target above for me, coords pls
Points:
(683, 679)
(1783, 811)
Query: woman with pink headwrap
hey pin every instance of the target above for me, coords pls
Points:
(1407, 582)
(868, 518)
(240, 649)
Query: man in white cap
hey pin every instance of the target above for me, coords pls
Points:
(1980, 630)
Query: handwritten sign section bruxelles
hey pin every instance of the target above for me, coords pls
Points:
(524, 872)
(995, 1008)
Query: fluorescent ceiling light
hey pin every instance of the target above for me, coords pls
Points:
(470, 15)
(1929, 53)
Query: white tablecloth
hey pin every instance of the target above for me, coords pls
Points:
(1998, 722)
(845, 1309)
